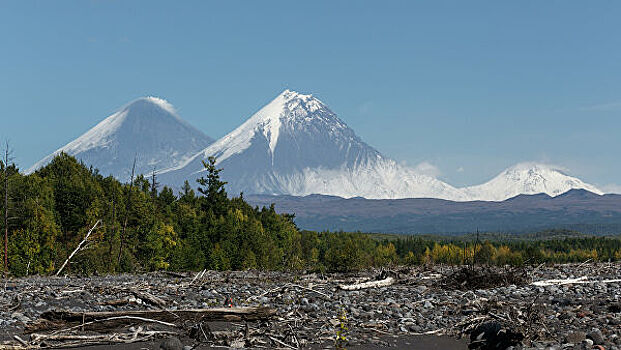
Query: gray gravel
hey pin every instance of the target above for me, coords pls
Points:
(312, 308)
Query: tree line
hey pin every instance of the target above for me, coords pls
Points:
(143, 227)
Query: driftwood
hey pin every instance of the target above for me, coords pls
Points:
(77, 249)
(286, 286)
(52, 320)
(152, 299)
(372, 284)
(579, 280)
(56, 341)
(137, 297)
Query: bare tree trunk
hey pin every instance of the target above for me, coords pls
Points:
(154, 186)
(111, 239)
(78, 248)
(127, 207)
(6, 211)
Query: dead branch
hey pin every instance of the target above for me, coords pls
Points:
(77, 249)
(117, 318)
(52, 320)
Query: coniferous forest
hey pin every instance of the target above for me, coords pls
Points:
(145, 227)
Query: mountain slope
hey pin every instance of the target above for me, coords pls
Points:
(147, 128)
(527, 178)
(296, 145)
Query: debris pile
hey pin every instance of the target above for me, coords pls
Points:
(255, 309)
(484, 277)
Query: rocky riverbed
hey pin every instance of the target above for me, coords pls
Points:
(575, 307)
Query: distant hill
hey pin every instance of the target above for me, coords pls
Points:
(578, 210)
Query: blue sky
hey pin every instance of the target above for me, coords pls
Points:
(468, 87)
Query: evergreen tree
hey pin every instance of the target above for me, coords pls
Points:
(212, 188)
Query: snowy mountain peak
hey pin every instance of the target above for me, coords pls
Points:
(528, 178)
(532, 168)
(290, 110)
(147, 102)
(293, 145)
(296, 145)
(147, 128)
(297, 102)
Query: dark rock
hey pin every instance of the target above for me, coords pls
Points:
(492, 335)
(575, 337)
(171, 344)
(614, 307)
(597, 336)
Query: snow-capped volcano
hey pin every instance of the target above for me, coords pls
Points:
(148, 128)
(296, 145)
(527, 178)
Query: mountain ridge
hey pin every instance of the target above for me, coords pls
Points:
(525, 213)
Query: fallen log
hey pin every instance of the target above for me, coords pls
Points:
(579, 280)
(152, 299)
(58, 319)
(372, 284)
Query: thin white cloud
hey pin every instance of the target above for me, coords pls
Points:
(428, 169)
(604, 107)
(611, 188)
(460, 169)
(365, 107)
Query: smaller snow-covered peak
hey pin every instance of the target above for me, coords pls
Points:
(147, 127)
(533, 168)
(142, 110)
(528, 178)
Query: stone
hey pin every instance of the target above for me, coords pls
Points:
(171, 344)
(575, 337)
(596, 336)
